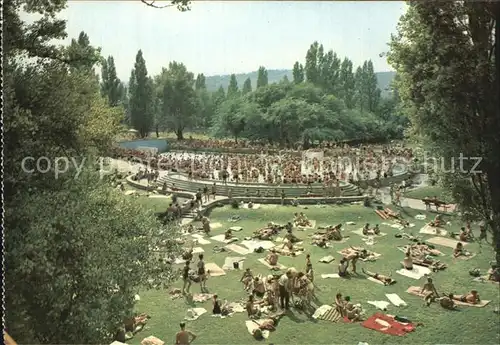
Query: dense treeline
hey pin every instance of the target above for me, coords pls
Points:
(327, 100)
(76, 250)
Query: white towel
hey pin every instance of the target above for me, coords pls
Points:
(382, 305)
(330, 275)
(416, 273)
(395, 299)
(253, 325)
(321, 311)
(253, 244)
(194, 313)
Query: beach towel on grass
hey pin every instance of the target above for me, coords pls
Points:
(230, 260)
(312, 226)
(194, 313)
(200, 240)
(416, 273)
(254, 244)
(446, 242)
(214, 270)
(327, 313)
(360, 233)
(282, 240)
(395, 299)
(464, 257)
(420, 217)
(372, 257)
(375, 280)
(382, 305)
(152, 340)
(327, 259)
(484, 279)
(238, 249)
(236, 228)
(277, 267)
(386, 324)
(252, 325)
(254, 206)
(430, 230)
(221, 238)
(415, 291)
(330, 275)
(202, 297)
(215, 225)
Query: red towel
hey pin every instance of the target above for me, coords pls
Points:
(395, 328)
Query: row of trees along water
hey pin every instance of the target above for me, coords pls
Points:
(326, 100)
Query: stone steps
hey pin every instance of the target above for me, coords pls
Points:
(240, 191)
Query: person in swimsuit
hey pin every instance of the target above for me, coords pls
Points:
(340, 305)
(366, 229)
(429, 291)
(470, 298)
(185, 278)
(309, 268)
(343, 265)
(202, 273)
(447, 302)
(408, 261)
(247, 279)
(183, 336)
(459, 250)
(217, 310)
(384, 279)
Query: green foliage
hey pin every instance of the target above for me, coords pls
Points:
(445, 60)
(111, 87)
(262, 78)
(79, 266)
(247, 86)
(141, 92)
(298, 73)
(232, 89)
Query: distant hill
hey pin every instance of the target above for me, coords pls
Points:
(276, 75)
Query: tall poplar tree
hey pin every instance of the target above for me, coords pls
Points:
(262, 78)
(141, 93)
(247, 86)
(232, 89)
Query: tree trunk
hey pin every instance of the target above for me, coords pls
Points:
(494, 173)
(236, 139)
(180, 134)
(157, 131)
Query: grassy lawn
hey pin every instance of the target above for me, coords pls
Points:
(429, 191)
(467, 326)
(156, 204)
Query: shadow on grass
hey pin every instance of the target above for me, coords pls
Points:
(291, 315)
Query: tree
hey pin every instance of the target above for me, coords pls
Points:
(247, 86)
(68, 266)
(347, 82)
(182, 5)
(232, 116)
(179, 99)
(111, 86)
(262, 79)
(141, 101)
(298, 73)
(446, 58)
(285, 79)
(232, 89)
(218, 97)
(200, 84)
(312, 67)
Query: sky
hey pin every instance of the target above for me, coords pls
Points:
(224, 37)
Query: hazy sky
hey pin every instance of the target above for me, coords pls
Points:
(218, 37)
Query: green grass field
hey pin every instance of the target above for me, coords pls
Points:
(429, 191)
(469, 325)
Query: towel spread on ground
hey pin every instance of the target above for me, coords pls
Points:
(360, 233)
(446, 242)
(350, 223)
(194, 313)
(330, 275)
(372, 257)
(198, 250)
(202, 297)
(416, 273)
(159, 196)
(215, 225)
(252, 325)
(282, 240)
(382, 305)
(415, 291)
(386, 324)
(404, 249)
(327, 313)
(430, 230)
(465, 257)
(215, 270)
(327, 259)
(200, 240)
(236, 228)
(254, 206)
(152, 340)
(375, 280)
(254, 244)
(278, 266)
(395, 299)
(230, 260)
(312, 226)
(420, 217)
(221, 238)
(238, 249)
(484, 279)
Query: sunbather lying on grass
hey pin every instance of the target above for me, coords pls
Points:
(472, 297)
(387, 280)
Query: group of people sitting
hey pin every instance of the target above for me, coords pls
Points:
(329, 233)
(346, 308)
(423, 255)
(447, 301)
(368, 231)
(300, 219)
